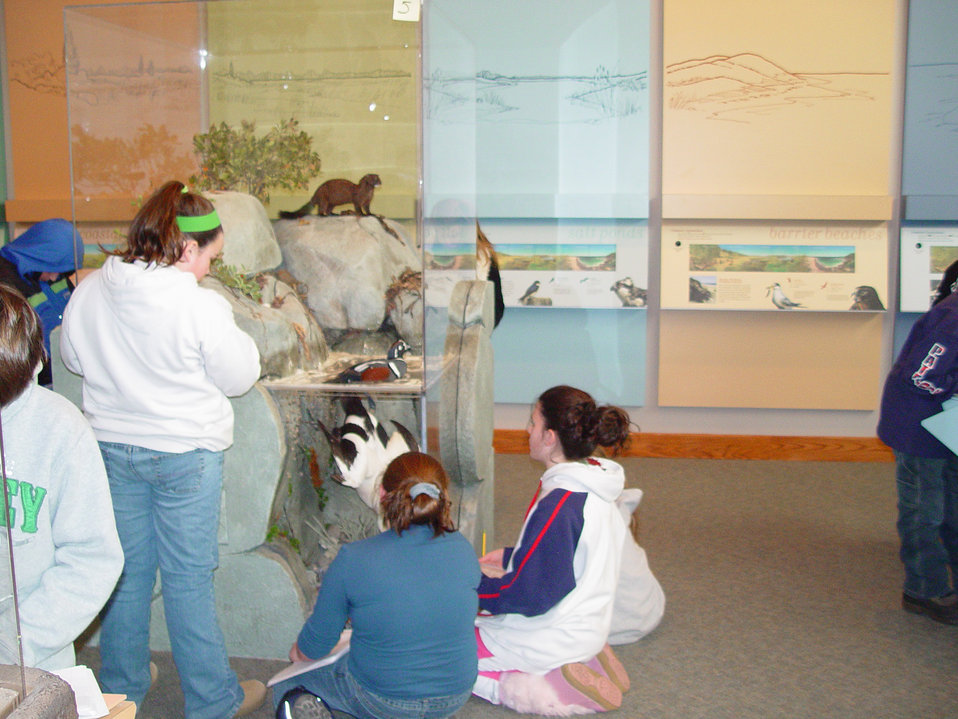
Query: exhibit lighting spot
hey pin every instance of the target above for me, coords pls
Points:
(372, 106)
(386, 118)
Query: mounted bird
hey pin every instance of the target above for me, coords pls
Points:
(381, 369)
(362, 448)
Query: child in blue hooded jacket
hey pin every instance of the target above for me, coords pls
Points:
(37, 264)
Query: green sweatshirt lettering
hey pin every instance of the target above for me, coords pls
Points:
(31, 499)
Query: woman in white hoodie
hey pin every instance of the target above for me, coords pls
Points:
(546, 604)
(159, 356)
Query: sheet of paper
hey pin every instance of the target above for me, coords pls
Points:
(297, 668)
(89, 698)
(944, 425)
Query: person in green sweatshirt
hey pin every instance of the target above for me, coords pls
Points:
(66, 552)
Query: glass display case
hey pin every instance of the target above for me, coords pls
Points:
(275, 109)
(270, 99)
(301, 120)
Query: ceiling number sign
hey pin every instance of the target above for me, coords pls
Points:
(406, 10)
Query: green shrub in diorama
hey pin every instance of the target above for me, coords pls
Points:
(236, 159)
(243, 282)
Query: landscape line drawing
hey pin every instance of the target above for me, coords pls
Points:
(942, 113)
(741, 87)
(494, 97)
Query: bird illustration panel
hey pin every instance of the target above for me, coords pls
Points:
(820, 266)
(927, 249)
(546, 263)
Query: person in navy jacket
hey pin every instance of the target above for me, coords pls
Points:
(922, 378)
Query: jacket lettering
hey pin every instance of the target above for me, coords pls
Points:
(31, 499)
(927, 364)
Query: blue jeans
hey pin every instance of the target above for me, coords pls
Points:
(342, 692)
(927, 523)
(167, 515)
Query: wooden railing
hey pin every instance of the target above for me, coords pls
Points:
(720, 446)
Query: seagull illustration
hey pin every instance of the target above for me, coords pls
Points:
(778, 297)
(533, 288)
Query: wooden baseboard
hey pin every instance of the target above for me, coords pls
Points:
(721, 446)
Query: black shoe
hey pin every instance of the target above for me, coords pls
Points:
(943, 609)
(298, 703)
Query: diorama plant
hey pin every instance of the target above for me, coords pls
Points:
(276, 532)
(230, 276)
(237, 159)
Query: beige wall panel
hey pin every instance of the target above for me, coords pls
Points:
(778, 98)
(770, 360)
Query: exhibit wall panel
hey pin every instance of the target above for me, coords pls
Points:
(785, 98)
(774, 266)
(597, 350)
(37, 107)
(930, 147)
(344, 69)
(558, 97)
(766, 360)
(542, 111)
(778, 184)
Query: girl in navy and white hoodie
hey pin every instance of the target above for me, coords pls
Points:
(547, 602)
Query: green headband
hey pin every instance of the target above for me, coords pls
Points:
(199, 223)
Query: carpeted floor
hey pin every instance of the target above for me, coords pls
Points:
(783, 591)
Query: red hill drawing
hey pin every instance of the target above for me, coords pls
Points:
(701, 84)
(743, 69)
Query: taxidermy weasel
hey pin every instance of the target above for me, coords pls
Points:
(487, 268)
(333, 193)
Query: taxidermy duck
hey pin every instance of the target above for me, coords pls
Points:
(362, 448)
(382, 369)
